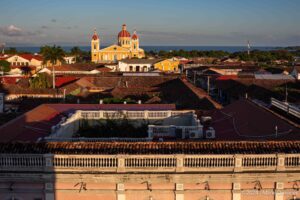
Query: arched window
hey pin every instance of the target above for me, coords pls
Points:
(134, 46)
(95, 46)
(137, 69)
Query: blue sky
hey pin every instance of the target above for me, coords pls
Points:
(158, 22)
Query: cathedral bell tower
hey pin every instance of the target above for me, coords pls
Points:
(95, 47)
(135, 45)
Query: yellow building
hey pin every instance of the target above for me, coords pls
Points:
(128, 47)
(167, 65)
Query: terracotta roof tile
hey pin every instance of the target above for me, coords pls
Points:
(179, 147)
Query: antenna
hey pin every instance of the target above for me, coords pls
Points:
(248, 46)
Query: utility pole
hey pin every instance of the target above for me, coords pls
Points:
(53, 76)
(208, 85)
(286, 93)
(248, 51)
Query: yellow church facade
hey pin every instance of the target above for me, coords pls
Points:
(128, 47)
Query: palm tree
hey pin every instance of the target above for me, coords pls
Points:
(52, 55)
(75, 51)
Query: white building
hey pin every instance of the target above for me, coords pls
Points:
(70, 59)
(136, 65)
(26, 60)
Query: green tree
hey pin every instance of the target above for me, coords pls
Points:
(11, 50)
(41, 81)
(75, 51)
(52, 55)
(4, 66)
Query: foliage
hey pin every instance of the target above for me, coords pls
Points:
(4, 66)
(114, 100)
(25, 70)
(264, 56)
(52, 54)
(41, 81)
(188, 54)
(75, 51)
(11, 50)
(113, 128)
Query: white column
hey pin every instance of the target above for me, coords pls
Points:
(236, 191)
(121, 192)
(179, 193)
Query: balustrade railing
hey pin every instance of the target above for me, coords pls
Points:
(260, 161)
(292, 161)
(150, 162)
(154, 163)
(208, 162)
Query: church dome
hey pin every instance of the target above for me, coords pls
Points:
(124, 32)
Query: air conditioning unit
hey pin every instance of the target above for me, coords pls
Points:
(194, 134)
(210, 133)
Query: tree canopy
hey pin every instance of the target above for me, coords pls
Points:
(4, 66)
(41, 81)
(52, 54)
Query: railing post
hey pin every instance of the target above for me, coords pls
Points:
(121, 164)
(49, 165)
(150, 131)
(146, 114)
(179, 163)
(280, 162)
(238, 162)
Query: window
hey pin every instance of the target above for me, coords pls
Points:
(95, 47)
(144, 68)
(134, 46)
(130, 68)
(137, 68)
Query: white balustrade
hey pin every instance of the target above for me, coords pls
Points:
(157, 163)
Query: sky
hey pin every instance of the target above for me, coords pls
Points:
(157, 22)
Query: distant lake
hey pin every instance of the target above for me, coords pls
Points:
(230, 49)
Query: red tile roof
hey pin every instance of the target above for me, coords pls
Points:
(135, 148)
(60, 81)
(227, 77)
(244, 120)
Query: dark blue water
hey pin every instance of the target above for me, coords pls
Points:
(230, 49)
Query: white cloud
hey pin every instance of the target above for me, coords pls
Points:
(11, 30)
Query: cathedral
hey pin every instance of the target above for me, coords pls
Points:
(128, 47)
